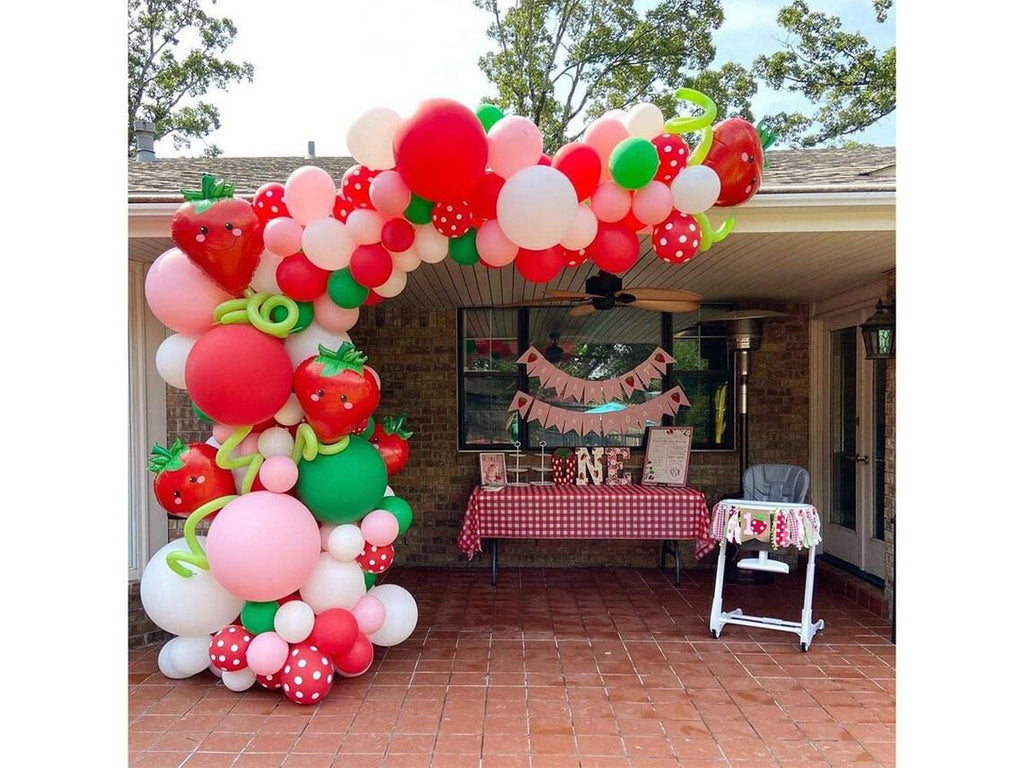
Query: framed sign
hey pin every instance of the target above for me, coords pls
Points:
(667, 456)
(492, 469)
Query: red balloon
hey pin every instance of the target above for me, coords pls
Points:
(268, 202)
(355, 185)
(574, 258)
(630, 221)
(677, 239)
(441, 150)
(342, 208)
(300, 279)
(237, 375)
(540, 266)
(581, 165)
(616, 247)
(545, 159)
(357, 660)
(334, 631)
(452, 218)
(673, 153)
(371, 265)
(373, 299)
(484, 200)
(397, 235)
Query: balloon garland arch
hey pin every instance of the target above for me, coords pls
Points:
(293, 483)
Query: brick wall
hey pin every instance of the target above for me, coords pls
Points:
(890, 465)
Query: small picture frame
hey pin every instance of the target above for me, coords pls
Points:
(667, 455)
(492, 469)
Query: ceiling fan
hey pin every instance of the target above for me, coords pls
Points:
(604, 291)
(725, 316)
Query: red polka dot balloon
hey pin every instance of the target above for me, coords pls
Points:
(307, 675)
(452, 219)
(574, 258)
(355, 185)
(270, 682)
(375, 559)
(677, 239)
(672, 155)
(342, 208)
(268, 202)
(228, 647)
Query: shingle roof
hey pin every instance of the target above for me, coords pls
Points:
(795, 170)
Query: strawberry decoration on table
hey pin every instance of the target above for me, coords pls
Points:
(188, 477)
(737, 156)
(220, 233)
(337, 393)
(268, 202)
(391, 438)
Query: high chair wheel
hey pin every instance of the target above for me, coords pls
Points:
(803, 647)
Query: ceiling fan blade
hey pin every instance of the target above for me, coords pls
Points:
(560, 294)
(663, 294)
(664, 306)
(582, 310)
(540, 302)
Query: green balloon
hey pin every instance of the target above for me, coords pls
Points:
(633, 162)
(259, 617)
(368, 432)
(462, 250)
(277, 314)
(344, 290)
(369, 578)
(488, 115)
(400, 508)
(342, 487)
(200, 415)
(419, 210)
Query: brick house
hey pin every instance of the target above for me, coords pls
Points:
(817, 243)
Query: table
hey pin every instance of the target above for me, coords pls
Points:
(781, 526)
(584, 512)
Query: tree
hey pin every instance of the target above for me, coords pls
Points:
(852, 83)
(558, 60)
(162, 70)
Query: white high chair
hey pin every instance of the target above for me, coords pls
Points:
(783, 483)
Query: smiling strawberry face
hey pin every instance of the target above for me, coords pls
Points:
(220, 233)
(336, 392)
(187, 476)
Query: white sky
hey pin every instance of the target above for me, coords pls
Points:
(321, 63)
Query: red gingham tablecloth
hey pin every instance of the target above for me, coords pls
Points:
(583, 512)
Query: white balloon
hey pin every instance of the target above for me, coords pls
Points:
(406, 261)
(264, 279)
(326, 529)
(190, 655)
(583, 229)
(345, 542)
(215, 672)
(645, 120)
(333, 585)
(695, 189)
(370, 139)
(616, 114)
(294, 621)
(276, 441)
(327, 244)
(536, 207)
(171, 356)
(306, 344)
(365, 226)
(431, 245)
(401, 617)
(240, 680)
(389, 491)
(291, 412)
(163, 662)
(394, 285)
(197, 605)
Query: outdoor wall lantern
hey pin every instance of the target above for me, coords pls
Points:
(879, 332)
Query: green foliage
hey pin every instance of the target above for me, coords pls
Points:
(560, 61)
(852, 83)
(164, 70)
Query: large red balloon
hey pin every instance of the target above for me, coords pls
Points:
(616, 247)
(334, 631)
(237, 375)
(441, 150)
(300, 279)
(484, 200)
(357, 660)
(540, 266)
(371, 265)
(581, 165)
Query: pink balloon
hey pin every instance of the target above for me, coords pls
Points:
(279, 474)
(389, 194)
(222, 432)
(331, 317)
(370, 614)
(652, 204)
(249, 445)
(610, 202)
(583, 230)
(513, 143)
(181, 295)
(282, 236)
(267, 653)
(260, 528)
(309, 194)
(494, 248)
(364, 226)
(603, 134)
(379, 528)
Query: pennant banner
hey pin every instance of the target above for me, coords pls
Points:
(634, 417)
(584, 391)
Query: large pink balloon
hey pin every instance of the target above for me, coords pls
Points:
(389, 194)
(610, 202)
(309, 194)
(603, 135)
(181, 295)
(258, 529)
(652, 204)
(513, 143)
(331, 317)
(494, 248)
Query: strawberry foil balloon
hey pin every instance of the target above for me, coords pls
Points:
(220, 233)
(737, 156)
(188, 477)
(391, 438)
(336, 392)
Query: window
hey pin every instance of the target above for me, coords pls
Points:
(598, 346)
